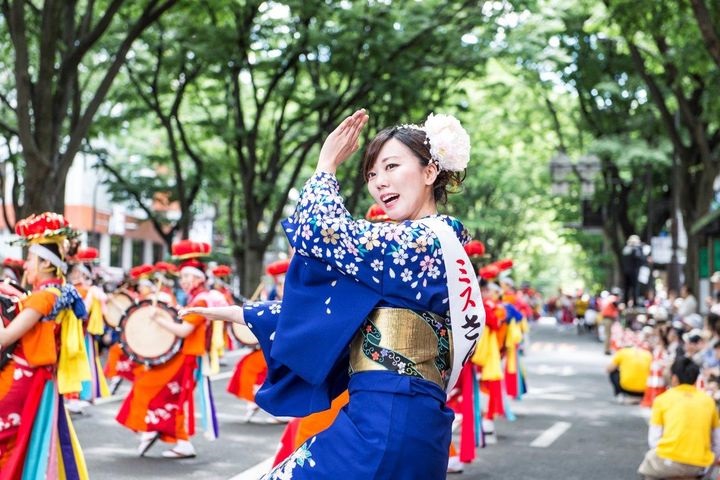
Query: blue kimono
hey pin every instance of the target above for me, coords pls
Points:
(395, 426)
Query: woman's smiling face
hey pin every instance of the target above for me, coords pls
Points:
(400, 184)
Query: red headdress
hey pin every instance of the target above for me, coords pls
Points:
(166, 268)
(222, 271)
(142, 272)
(87, 255)
(376, 214)
(279, 267)
(489, 272)
(475, 249)
(189, 252)
(46, 228)
(504, 264)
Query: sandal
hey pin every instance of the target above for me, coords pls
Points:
(147, 443)
(172, 453)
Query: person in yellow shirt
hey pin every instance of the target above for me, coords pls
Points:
(629, 370)
(684, 433)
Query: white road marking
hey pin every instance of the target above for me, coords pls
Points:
(549, 436)
(253, 473)
(563, 397)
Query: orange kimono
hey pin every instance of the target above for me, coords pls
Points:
(300, 430)
(30, 403)
(249, 374)
(161, 399)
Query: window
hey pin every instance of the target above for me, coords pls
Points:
(137, 252)
(158, 250)
(116, 242)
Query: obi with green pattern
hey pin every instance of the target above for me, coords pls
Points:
(405, 341)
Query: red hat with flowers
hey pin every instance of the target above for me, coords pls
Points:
(87, 255)
(188, 253)
(504, 264)
(221, 271)
(376, 214)
(166, 268)
(278, 267)
(142, 272)
(48, 227)
(475, 249)
(488, 272)
(44, 229)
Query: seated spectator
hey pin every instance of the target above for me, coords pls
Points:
(629, 370)
(684, 433)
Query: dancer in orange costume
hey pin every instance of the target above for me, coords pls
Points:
(161, 403)
(487, 354)
(48, 359)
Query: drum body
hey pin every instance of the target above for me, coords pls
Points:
(143, 339)
(10, 295)
(244, 335)
(116, 306)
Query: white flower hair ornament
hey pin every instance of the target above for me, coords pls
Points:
(448, 141)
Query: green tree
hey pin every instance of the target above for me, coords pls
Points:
(674, 46)
(64, 57)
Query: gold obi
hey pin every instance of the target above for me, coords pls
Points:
(411, 343)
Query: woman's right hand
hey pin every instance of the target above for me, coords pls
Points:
(232, 313)
(342, 142)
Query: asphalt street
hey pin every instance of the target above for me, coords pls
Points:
(568, 427)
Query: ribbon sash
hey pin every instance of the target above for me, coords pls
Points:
(467, 315)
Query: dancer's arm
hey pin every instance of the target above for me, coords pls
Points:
(232, 313)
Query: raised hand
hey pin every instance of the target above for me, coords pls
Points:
(342, 142)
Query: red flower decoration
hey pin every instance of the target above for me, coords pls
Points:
(48, 224)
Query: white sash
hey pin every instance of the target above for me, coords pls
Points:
(467, 315)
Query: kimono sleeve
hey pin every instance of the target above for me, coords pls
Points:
(321, 228)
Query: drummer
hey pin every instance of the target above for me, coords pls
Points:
(80, 276)
(251, 369)
(48, 360)
(165, 276)
(119, 367)
(160, 404)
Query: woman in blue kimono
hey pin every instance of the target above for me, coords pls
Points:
(367, 308)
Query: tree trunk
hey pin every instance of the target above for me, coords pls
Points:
(252, 269)
(43, 193)
(692, 263)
